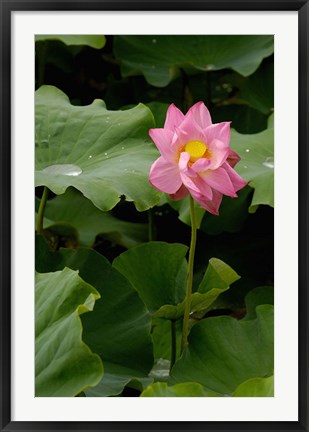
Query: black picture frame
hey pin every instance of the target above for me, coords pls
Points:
(6, 8)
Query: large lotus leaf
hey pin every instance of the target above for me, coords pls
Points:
(165, 333)
(161, 335)
(93, 41)
(72, 209)
(218, 275)
(64, 364)
(116, 379)
(157, 271)
(223, 352)
(190, 389)
(119, 330)
(104, 154)
(119, 327)
(271, 121)
(217, 279)
(256, 387)
(256, 90)
(258, 296)
(160, 58)
(257, 164)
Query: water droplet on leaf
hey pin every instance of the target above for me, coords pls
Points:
(269, 162)
(161, 369)
(63, 169)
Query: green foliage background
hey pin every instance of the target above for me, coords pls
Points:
(111, 258)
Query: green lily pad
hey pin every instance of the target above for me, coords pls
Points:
(157, 271)
(189, 389)
(256, 387)
(118, 329)
(165, 333)
(217, 279)
(116, 379)
(64, 364)
(160, 58)
(72, 209)
(223, 352)
(258, 89)
(257, 164)
(258, 296)
(271, 121)
(104, 154)
(161, 335)
(218, 275)
(93, 41)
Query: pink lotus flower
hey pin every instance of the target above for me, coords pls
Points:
(195, 158)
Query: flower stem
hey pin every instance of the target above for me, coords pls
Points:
(173, 343)
(185, 328)
(39, 224)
